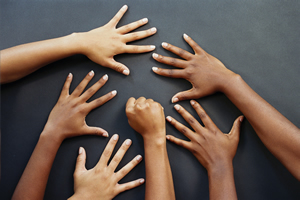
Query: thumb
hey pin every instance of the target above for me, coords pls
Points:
(80, 163)
(95, 131)
(188, 94)
(235, 130)
(119, 67)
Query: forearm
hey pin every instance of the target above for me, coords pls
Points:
(278, 134)
(221, 183)
(19, 61)
(34, 179)
(159, 181)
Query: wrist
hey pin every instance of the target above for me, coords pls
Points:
(230, 81)
(155, 139)
(51, 136)
(220, 169)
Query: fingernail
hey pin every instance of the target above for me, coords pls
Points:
(177, 107)
(80, 150)
(185, 36)
(142, 180)
(241, 119)
(164, 44)
(126, 72)
(105, 77)
(115, 137)
(152, 46)
(153, 30)
(155, 55)
(105, 134)
(128, 142)
(124, 7)
(145, 20)
(168, 137)
(169, 119)
(91, 73)
(154, 69)
(193, 102)
(114, 92)
(69, 75)
(175, 99)
(139, 157)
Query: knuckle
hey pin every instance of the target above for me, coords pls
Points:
(173, 61)
(117, 159)
(202, 114)
(106, 153)
(191, 120)
(183, 130)
(170, 72)
(181, 52)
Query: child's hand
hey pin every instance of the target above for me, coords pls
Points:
(209, 145)
(205, 72)
(101, 182)
(102, 44)
(146, 117)
(67, 118)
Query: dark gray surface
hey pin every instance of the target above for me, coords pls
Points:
(257, 39)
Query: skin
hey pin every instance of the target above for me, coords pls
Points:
(100, 45)
(67, 119)
(101, 182)
(213, 149)
(208, 75)
(147, 118)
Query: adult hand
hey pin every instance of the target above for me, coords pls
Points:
(210, 146)
(67, 118)
(103, 43)
(101, 182)
(205, 72)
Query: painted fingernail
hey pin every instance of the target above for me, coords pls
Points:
(91, 73)
(152, 47)
(115, 137)
(168, 137)
(241, 119)
(124, 7)
(145, 20)
(185, 36)
(177, 107)
(128, 142)
(139, 157)
(80, 150)
(69, 75)
(114, 92)
(155, 55)
(175, 99)
(164, 44)
(153, 30)
(126, 72)
(169, 119)
(105, 77)
(105, 134)
(155, 69)
(142, 180)
(193, 102)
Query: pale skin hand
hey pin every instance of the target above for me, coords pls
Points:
(101, 182)
(100, 45)
(208, 75)
(147, 118)
(67, 119)
(213, 149)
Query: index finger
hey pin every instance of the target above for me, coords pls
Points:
(115, 20)
(130, 102)
(176, 50)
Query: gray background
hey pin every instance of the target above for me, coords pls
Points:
(257, 39)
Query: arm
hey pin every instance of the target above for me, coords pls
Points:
(147, 118)
(67, 119)
(101, 182)
(213, 149)
(208, 75)
(100, 45)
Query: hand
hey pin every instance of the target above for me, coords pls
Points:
(67, 118)
(102, 44)
(206, 73)
(146, 117)
(101, 182)
(208, 144)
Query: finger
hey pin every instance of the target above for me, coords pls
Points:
(128, 167)
(108, 151)
(119, 155)
(132, 26)
(130, 103)
(169, 61)
(188, 118)
(140, 100)
(127, 186)
(79, 89)
(178, 51)
(172, 73)
(179, 142)
(139, 35)
(197, 49)
(95, 131)
(101, 100)
(119, 67)
(181, 128)
(80, 163)
(235, 130)
(92, 90)
(203, 115)
(138, 48)
(66, 87)
(188, 94)
(115, 20)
